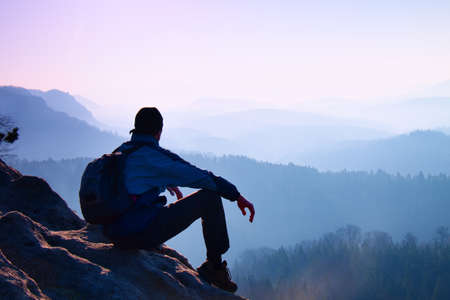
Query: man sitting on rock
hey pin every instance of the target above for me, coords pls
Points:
(148, 172)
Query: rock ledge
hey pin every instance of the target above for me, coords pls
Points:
(48, 252)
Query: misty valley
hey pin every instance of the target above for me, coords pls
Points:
(368, 215)
(405, 218)
(224, 150)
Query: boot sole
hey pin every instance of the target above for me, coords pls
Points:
(204, 277)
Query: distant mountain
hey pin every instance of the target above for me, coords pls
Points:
(424, 112)
(266, 134)
(418, 151)
(192, 140)
(46, 133)
(247, 121)
(88, 103)
(65, 102)
(428, 108)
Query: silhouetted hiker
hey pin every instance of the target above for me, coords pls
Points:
(148, 171)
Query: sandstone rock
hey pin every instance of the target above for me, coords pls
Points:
(7, 174)
(34, 197)
(15, 284)
(50, 253)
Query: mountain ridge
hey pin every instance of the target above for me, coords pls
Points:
(426, 151)
(65, 102)
(49, 133)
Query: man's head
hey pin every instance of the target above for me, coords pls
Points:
(148, 121)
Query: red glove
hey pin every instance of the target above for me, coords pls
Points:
(242, 204)
(175, 190)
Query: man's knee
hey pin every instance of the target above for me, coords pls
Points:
(210, 198)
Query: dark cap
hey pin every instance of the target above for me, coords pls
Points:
(148, 121)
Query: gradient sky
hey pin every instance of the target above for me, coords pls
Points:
(169, 53)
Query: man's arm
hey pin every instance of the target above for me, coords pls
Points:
(177, 172)
(174, 171)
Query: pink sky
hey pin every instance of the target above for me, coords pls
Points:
(133, 53)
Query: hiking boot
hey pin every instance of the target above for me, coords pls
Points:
(217, 275)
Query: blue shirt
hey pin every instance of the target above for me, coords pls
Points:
(154, 167)
(148, 171)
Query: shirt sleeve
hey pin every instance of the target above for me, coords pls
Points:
(175, 171)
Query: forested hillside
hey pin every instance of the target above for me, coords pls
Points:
(348, 264)
(295, 203)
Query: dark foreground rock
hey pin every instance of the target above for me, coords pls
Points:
(48, 252)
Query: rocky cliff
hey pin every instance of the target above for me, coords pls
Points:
(48, 252)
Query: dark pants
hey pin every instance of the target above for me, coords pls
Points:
(176, 217)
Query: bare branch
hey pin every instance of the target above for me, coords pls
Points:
(8, 135)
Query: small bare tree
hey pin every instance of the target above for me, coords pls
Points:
(8, 135)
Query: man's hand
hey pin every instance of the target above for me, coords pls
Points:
(174, 190)
(242, 204)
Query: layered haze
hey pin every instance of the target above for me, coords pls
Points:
(390, 171)
(287, 53)
(356, 70)
(324, 114)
